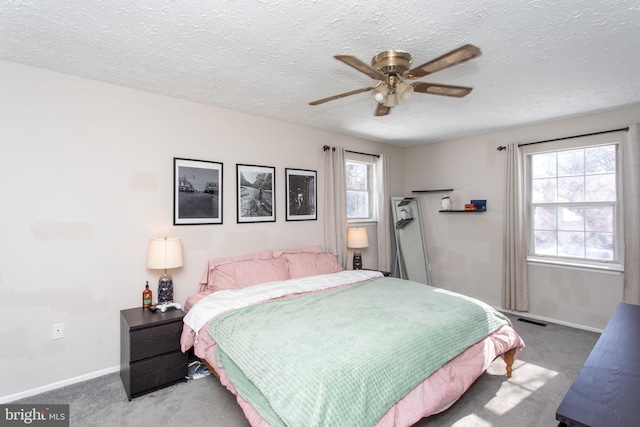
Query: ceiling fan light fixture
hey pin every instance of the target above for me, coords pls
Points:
(404, 91)
(392, 61)
(392, 67)
(380, 92)
(391, 100)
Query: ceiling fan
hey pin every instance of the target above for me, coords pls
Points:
(392, 69)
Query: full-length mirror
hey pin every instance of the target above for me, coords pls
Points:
(410, 244)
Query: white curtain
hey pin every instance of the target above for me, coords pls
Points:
(631, 209)
(383, 208)
(515, 293)
(335, 202)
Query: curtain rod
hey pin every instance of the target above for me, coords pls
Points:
(326, 147)
(502, 147)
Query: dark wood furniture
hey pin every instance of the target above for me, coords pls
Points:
(605, 393)
(384, 273)
(150, 356)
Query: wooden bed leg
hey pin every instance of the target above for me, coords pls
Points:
(509, 358)
(210, 368)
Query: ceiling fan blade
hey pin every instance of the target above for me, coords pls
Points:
(455, 57)
(361, 66)
(446, 90)
(382, 110)
(340, 95)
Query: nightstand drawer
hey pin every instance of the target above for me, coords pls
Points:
(149, 342)
(157, 372)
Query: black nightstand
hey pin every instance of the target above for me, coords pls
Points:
(384, 273)
(150, 356)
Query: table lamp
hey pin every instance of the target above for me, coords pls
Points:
(357, 238)
(164, 253)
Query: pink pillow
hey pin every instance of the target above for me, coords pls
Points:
(312, 249)
(310, 264)
(240, 274)
(206, 283)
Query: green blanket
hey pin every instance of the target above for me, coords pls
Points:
(344, 357)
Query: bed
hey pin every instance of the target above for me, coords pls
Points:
(299, 341)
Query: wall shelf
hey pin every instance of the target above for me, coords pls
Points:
(405, 201)
(403, 223)
(462, 211)
(447, 190)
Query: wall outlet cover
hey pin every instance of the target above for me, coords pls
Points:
(57, 331)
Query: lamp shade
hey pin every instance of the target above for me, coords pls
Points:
(404, 91)
(164, 253)
(357, 238)
(391, 100)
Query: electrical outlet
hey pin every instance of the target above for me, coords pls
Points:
(57, 331)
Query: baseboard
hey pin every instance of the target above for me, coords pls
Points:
(549, 320)
(59, 384)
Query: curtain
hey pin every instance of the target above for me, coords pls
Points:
(335, 202)
(515, 293)
(631, 210)
(383, 208)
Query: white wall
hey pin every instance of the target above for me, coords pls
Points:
(86, 169)
(465, 250)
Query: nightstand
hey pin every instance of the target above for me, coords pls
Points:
(150, 356)
(384, 273)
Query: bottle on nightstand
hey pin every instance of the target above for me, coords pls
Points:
(147, 296)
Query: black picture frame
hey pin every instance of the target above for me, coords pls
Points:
(301, 187)
(197, 192)
(255, 190)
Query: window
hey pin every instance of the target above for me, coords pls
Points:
(359, 175)
(573, 204)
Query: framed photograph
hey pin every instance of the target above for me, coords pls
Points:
(256, 195)
(197, 192)
(301, 194)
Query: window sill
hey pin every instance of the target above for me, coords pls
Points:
(605, 268)
(362, 221)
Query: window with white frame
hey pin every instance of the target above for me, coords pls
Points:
(573, 199)
(360, 196)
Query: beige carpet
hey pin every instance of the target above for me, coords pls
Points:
(541, 377)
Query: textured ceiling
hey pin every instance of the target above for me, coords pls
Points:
(542, 60)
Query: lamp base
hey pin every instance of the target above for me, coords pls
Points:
(165, 289)
(357, 260)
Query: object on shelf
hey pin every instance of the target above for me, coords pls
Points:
(481, 204)
(470, 207)
(405, 213)
(446, 203)
(462, 210)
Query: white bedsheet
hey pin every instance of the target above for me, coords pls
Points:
(219, 302)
